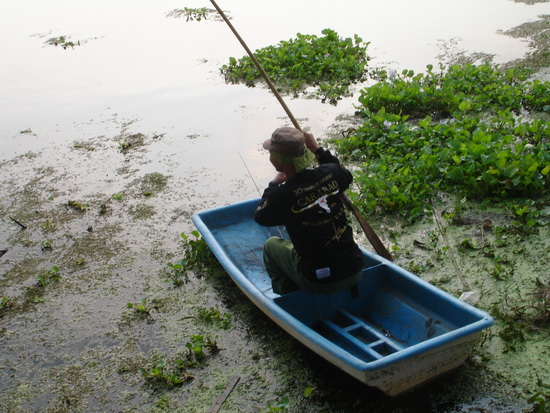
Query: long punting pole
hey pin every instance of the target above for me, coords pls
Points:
(367, 229)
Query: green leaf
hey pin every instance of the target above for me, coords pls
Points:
(309, 391)
(510, 171)
(464, 105)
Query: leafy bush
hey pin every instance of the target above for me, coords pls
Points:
(329, 63)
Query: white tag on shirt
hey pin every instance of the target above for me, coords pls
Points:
(322, 273)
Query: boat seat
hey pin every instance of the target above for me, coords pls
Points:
(361, 337)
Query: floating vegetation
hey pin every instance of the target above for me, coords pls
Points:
(6, 303)
(46, 245)
(142, 211)
(457, 131)
(199, 344)
(62, 41)
(280, 406)
(161, 372)
(521, 315)
(329, 64)
(536, 32)
(195, 14)
(215, 317)
(145, 306)
(153, 183)
(198, 256)
(163, 375)
(50, 276)
(77, 205)
(132, 141)
(178, 276)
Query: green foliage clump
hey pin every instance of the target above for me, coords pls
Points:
(328, 63)
(197, 257)
(198, 345)
(194, 14)
(521, 315)
(145, 306)
(62, 41)
(50, 276)
(6, 303)
(215, 317)
(190, 14)
(478, 147)
(165, 375)
(460, 88)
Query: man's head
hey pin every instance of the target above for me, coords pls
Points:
(286, 141)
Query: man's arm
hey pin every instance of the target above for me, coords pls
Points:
(269, 211)
(323, 156)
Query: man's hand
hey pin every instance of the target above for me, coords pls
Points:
(310, 142)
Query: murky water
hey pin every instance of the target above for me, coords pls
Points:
(137, 64)
(63, 115)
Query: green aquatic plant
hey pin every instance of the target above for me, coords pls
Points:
(124, 145)
(178, 276)
(145, 306)
(520, 315)
(163, 402)
(539, 400)
(454, 90)
(330, 64)
(62, 41)
(50, 276)
(197, 257)
(194, 14)
(153, 183)
(6, 303)
(215, 317)
(79, 206)
(160, 375)
(421, 134)
(46, 245)
(501, 272)
(280, 406)
(198, 344)
(48, 225)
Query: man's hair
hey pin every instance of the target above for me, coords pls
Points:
(300, 163)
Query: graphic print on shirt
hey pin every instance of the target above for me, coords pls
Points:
(322, 202)
(338, 232)
(315, 194)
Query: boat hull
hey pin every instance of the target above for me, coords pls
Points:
(393, 331)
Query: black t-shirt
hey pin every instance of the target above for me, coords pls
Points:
(310, 207)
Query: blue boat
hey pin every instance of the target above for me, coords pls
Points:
(394, 331)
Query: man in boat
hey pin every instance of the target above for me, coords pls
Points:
(321, 255)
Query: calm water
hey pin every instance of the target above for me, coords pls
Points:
(161, 74)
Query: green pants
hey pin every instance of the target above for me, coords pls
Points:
(282, 263)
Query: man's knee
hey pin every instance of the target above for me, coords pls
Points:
(271, 244)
